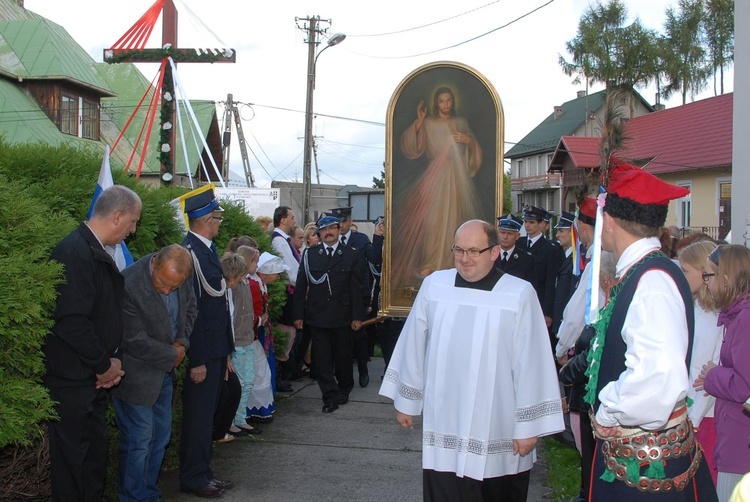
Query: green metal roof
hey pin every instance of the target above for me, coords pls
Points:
(130, 85)
(38, 49)
(11, 11)
(22, 120)
(547, 135)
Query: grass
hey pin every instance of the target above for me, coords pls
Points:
(563, 469)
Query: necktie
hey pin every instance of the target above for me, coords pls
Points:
(330, 252)
(343, 240)
(504, 261)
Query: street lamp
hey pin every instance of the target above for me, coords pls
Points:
(312, 60)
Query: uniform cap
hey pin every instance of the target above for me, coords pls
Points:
(509, 222)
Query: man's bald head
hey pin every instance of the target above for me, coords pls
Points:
(170, 266)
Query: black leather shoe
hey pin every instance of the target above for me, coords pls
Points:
(283, 386)
(330, 408)
(222, 484)
(343, 400)
(364, 380)
(208, 491)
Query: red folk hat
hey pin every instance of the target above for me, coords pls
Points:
(587, 211)
(636, 195)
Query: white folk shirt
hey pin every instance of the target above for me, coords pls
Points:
(656, 334)
(478, 365)
(281, 246)
(706, 347)
(574, 315)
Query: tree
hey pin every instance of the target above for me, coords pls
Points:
(685, 66)
(379, 182)
(718, 26)
(605, 50)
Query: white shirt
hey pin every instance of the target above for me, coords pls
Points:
(282, 247)
(706, 347)
(656, 333)
(574, 314)
(478, 366)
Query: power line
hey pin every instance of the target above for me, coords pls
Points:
(459, 43)
(424, 25)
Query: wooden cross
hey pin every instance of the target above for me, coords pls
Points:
(169, 49)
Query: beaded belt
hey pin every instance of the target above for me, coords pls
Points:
(623, 457)
(635, 447)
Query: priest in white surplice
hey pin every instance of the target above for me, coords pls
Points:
(474, 358)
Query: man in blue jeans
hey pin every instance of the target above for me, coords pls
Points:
(159, 309)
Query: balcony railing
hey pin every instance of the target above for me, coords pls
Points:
(535, 182)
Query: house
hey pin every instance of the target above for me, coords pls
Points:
(690, 146)
(53, 92)
(531, 181)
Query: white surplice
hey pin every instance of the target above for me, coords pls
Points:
(479, 366)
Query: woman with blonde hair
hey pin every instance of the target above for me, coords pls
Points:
(728, 277)
(311, 236)
(706, 345)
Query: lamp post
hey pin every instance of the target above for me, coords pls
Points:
(312, 59)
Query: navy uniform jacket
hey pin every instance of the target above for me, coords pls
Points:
(339, 306)
(147, 351)
(520, 263)
(544, 272)
(367, 253)
(88, 316)
(566, 285)
(212, 332)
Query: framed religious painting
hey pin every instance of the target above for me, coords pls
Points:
(444, 162)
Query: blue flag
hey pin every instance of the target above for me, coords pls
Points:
(122, 255)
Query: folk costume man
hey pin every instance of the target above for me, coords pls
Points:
(210, 344)
(160, 309)
(283, 244)
(370, 256)
(512, 260)
(639, 357)
(546, 262)
(566, 282)
(573, 319)
(474, 359)
(328, 299)
(82, 354)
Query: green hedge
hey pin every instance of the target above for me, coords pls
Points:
(44, 193)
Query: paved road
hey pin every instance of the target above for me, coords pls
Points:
(357, 453)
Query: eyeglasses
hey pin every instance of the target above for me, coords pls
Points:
(471, 253)
(220, 218)
(706, 276)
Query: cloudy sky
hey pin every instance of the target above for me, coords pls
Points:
(356, 79)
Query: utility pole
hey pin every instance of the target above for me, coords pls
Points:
(312, 43)
(231, 110)
(312, 26)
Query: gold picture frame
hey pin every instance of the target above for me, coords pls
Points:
(444, 165)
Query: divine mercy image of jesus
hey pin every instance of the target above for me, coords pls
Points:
(443, 170)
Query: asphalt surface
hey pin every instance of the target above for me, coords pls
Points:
(357, 453)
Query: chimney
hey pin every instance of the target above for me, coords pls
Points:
(581, 94)
(20, 3)
(659, 107)
(558, 112)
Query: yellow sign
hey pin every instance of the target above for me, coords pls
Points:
(725, 190)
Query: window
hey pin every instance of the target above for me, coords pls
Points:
(69, 115)
(519, 168)
(539, 165)
(685, 206)
(89, 120)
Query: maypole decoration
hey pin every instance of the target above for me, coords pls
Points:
(131, 47)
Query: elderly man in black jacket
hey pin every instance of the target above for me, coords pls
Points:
(82, 352)
(328, 298)
(160, 309)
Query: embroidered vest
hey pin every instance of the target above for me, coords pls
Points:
(613, 353)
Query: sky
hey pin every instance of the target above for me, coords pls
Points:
(356, 79)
